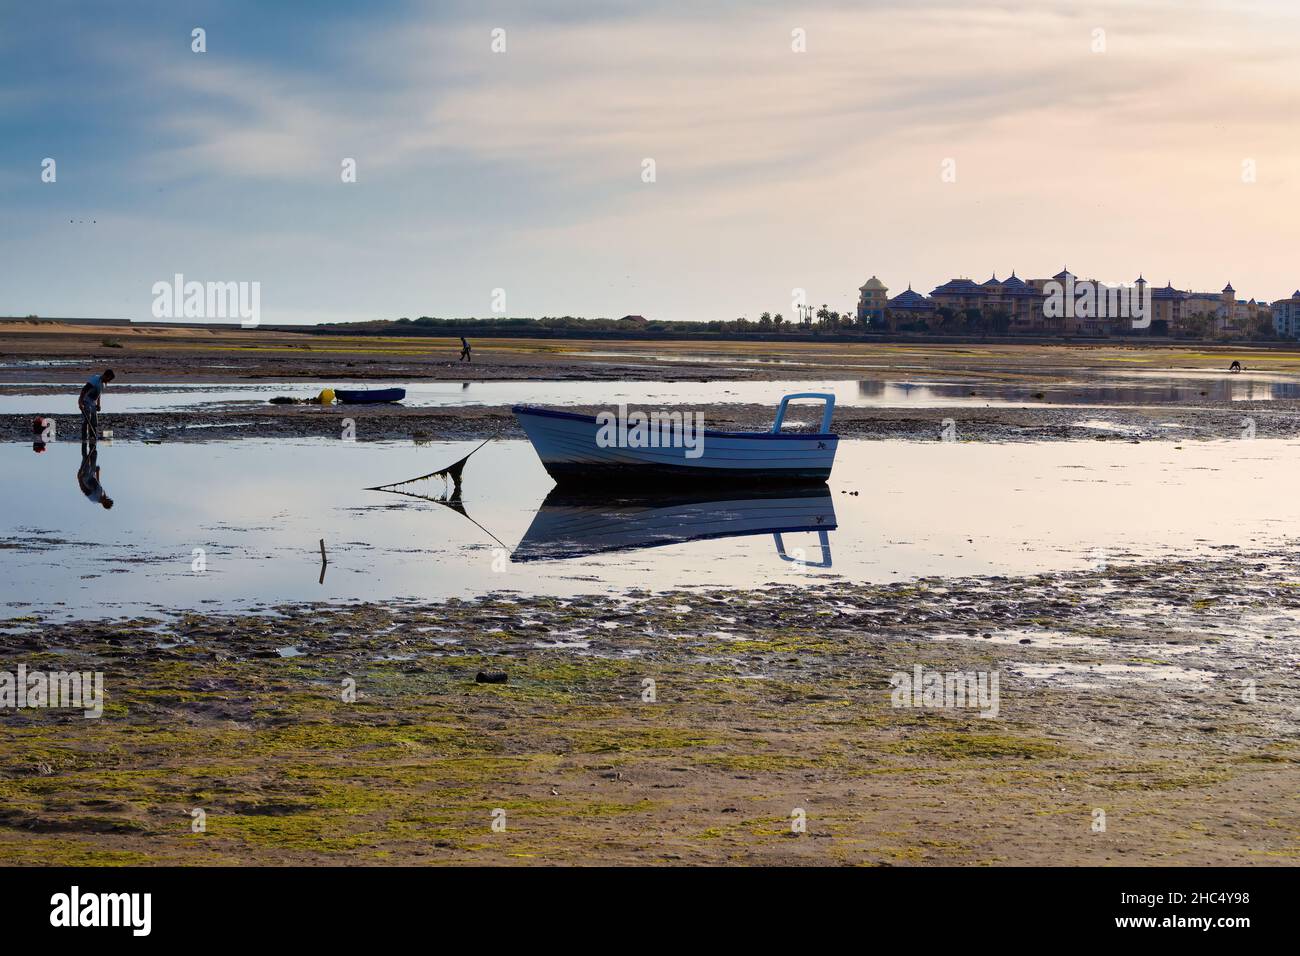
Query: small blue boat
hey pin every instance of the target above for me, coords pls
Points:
(374, 396)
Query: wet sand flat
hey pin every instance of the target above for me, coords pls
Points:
(157, 354)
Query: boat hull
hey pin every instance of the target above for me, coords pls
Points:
(374, 396)
(568, 447)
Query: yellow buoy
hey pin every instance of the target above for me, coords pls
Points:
(326, 396)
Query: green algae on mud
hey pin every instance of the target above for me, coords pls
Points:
(738, 732)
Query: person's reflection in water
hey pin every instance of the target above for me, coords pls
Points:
(88, 476)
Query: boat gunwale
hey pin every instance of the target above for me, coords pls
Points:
(762, 436)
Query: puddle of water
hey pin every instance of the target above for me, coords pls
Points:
(43, 363)
(1051, 639)
(701, 358)
(1115, 427)
(250, 514)
(1112, 390)
(1085, 675)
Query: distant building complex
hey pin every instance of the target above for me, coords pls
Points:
(1025, 306)
(1286, 316)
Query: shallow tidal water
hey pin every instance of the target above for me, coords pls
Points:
(230, 525)
(1110, 389)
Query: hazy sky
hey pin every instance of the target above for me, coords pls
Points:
(522, 170)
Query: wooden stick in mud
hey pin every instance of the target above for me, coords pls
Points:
(323, 561)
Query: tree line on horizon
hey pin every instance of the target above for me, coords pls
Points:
(823, 320)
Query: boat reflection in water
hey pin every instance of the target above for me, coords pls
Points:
(571, 525)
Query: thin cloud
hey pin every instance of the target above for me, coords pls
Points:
(774, 169)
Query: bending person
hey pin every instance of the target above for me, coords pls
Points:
(88, 402)
(88, 476)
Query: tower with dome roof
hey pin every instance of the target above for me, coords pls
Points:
(873, 296)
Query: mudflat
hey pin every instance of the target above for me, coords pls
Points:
(1146, 707)
(36, 355)
(1135, 724)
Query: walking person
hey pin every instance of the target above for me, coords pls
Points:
(88, 402)
(464, 349)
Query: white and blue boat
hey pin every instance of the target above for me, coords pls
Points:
(579, 447)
